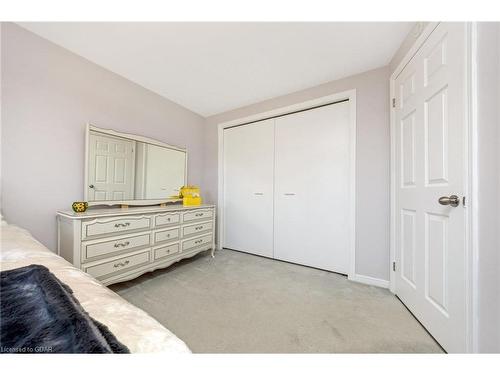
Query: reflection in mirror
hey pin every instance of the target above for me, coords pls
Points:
(124, 169)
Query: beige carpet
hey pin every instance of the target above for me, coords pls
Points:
(240, 303)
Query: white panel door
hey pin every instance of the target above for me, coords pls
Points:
(430, 163)
(111, 168)
(312, 188)
(248, 188)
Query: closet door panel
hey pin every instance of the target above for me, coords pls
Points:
(248, 188)
(312, 182)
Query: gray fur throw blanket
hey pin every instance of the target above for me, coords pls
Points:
(39, 314)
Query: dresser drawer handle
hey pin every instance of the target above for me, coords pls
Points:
(116, 265)
(118, 225)
(199, 214)
(198, 228)
(168, 219)
(122, 244)
(198, 241)
(168, 251)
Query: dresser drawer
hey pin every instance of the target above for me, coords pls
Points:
(103, 248)
(167, 235)
(195, 242)
(103, 270)
(166, 251)
(100, 227)
(167, 219)
(196, 228)
(197, 215)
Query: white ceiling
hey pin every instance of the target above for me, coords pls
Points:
(210, 68)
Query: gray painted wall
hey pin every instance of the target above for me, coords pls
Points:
(48, 95)
(372, 164)
(488, 140)
(498, 170)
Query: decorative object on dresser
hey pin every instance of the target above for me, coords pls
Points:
(79, 206)
(115, 244)
(190, 195)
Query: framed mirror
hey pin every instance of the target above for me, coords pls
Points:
(129, 169)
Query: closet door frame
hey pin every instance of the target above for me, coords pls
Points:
(310, 104)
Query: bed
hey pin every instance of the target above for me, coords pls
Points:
(132, 326)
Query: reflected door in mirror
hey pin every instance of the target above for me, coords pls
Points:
(111, 168)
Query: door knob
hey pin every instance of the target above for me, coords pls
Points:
(91, 186)
(452, 201)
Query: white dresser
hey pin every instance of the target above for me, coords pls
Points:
(119, 244)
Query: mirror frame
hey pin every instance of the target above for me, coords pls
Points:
(138, 138)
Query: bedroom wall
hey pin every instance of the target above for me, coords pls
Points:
(498, 182)
(372, 164)
(488, 179)
(48, 95)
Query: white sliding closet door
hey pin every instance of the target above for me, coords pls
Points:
(312, 188)
(248, 188)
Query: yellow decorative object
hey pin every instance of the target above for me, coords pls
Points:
(190, 195)
(79, 206)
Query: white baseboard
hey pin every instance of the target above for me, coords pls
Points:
(370, 281)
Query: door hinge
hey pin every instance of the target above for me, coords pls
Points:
(393, 102)
(394, 266)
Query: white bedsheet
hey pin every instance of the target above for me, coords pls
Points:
(132, 326)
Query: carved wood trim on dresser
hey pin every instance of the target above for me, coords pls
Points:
(115, 244)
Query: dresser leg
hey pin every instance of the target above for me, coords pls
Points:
(213, 252)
